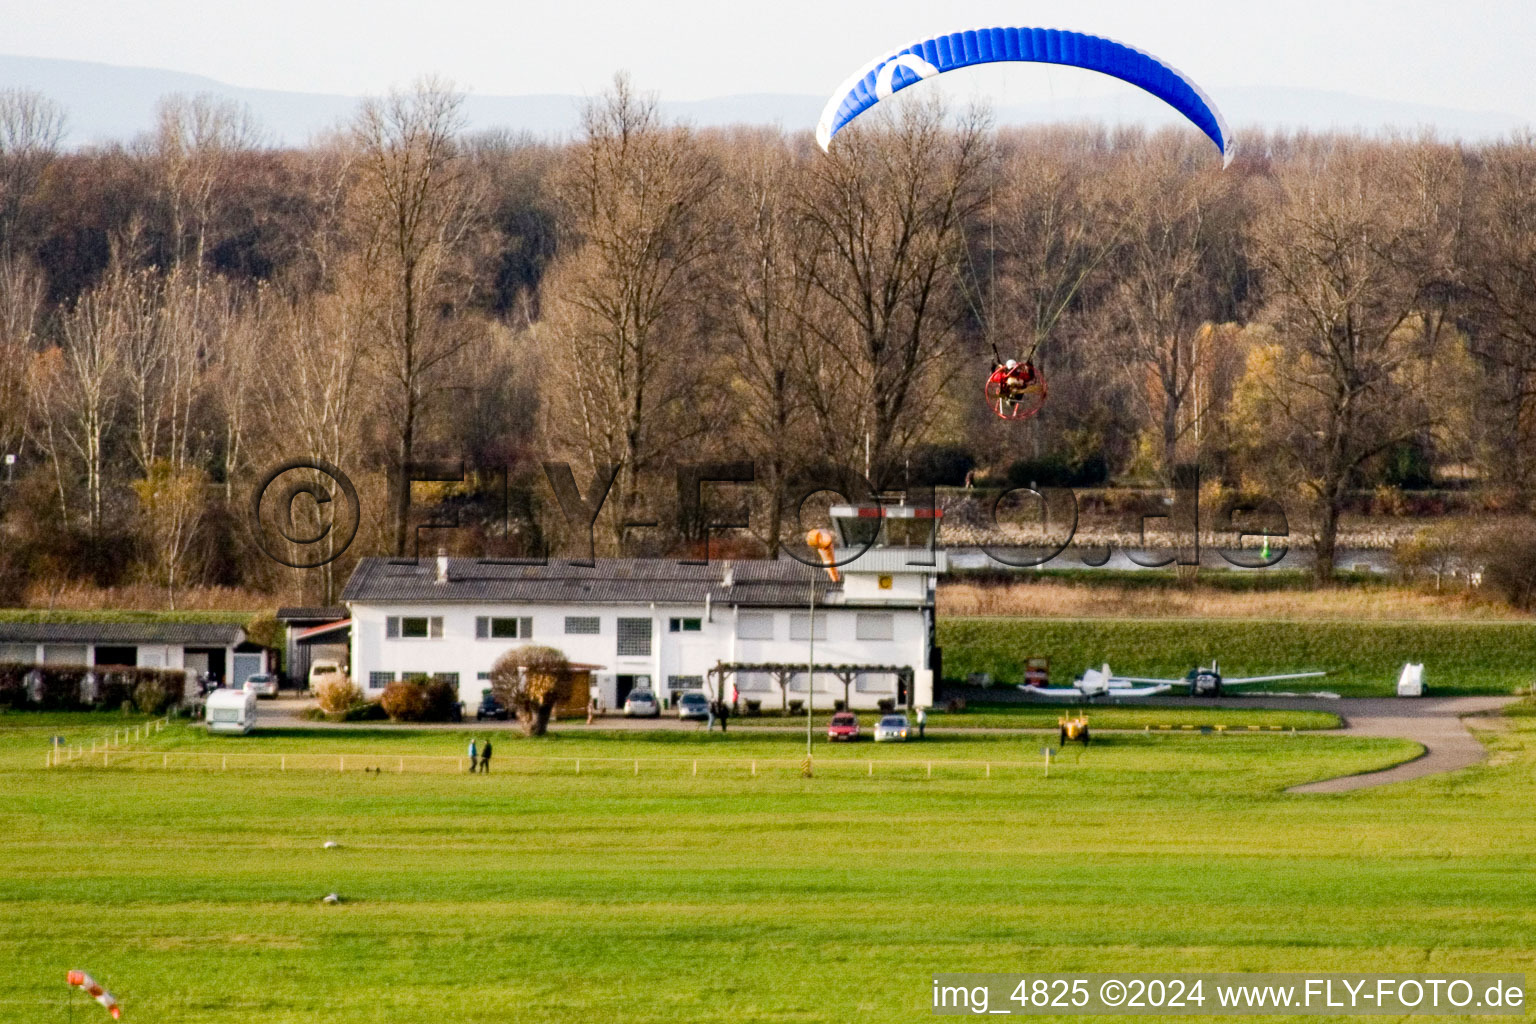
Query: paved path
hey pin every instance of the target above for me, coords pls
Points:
(1433, 722)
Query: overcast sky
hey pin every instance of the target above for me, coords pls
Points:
(1472, 54)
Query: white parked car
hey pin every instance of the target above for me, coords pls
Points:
(892, 729)
(263, 685)
(642, 704)
(324, 670)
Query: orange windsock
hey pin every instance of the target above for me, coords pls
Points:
(85, 982)
(821, 542)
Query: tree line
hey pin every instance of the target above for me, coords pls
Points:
(179, 314)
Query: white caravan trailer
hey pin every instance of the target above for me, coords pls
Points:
(1411, 682)
(232, 711)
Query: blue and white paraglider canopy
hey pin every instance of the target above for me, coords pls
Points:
(887, 75)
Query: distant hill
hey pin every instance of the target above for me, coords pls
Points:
(110, 103)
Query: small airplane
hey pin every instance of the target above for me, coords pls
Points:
(1099, 682)
(1209, 682)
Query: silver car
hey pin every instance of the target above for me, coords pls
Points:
(693, 705)
(263, 685)
(892, 729)
(642, 704)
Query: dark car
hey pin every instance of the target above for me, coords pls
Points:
(490, 707)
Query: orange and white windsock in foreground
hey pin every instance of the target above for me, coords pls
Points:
(96, 992)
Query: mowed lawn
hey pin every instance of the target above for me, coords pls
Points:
(536, 894)
(1362, 657)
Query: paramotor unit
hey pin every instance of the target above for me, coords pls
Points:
(1015, 390)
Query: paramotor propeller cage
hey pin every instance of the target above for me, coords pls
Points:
(1010, 399)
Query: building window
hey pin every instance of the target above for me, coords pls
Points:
(685, 682)
(754, 626)
(875, 682)
(585, 625)
(412, 627)
(379, 680)
(799, 626)
(484, 677)
(634, 637)
(797, 683)
(875, 626)
(491, 628)
(452, 678)
(685, 625)
(754, 682)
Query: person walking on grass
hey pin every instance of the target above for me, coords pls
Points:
(474, 757)
(725, 714)
(922, 722)
(485, 758)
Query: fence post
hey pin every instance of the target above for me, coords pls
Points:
(930, 769)
(871, 769)
(989, 771)
(226, 763)
(341, 762)
(402, 766)
(637, 766)
(282, 762)
(695, 767)
(165, 760)
(754, 763)
(578, 766)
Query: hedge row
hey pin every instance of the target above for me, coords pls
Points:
(1362, 658)
(78, 688)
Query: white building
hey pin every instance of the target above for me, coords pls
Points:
(657, 624)
(219, 650)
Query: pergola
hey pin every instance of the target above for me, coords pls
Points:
(783, 672)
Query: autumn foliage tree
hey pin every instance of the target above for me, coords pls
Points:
(531, 681)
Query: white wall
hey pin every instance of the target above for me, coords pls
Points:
(672, 654)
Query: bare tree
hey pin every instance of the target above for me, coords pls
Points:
(768, 296)
(80, 396)
(1500, 286)
(412, 210)
(886, 209)
(1175, 274)
(172, 503)
(194, 141)
(31, 128)
(310, 381)
(21, 296)
(1350, 246)
(622, 307)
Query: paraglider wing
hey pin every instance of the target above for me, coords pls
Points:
(909, 65)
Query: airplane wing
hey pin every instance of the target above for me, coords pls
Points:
(1077, 694)
(1064, 693)
(1245, 680)
(1148, 680)
(1139, 691)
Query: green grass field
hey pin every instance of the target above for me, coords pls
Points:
(1363, 658)
(1105, 716)
(538, 895)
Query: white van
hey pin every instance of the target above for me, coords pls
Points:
(323, 670)
(231, 711)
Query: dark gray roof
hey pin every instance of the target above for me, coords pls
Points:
(610, 581)
(316, 613)
(195, 634)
